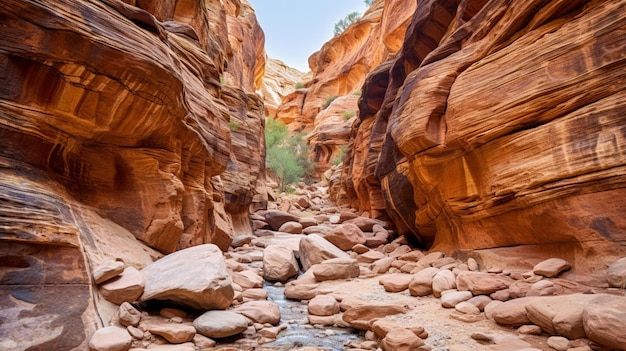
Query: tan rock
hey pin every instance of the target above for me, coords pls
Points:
(110, 339)
(107, 271)
(277, 218)
(260, 311)
(314, 249)
(174, 333)
(616, 273)
(452, 298)
(323, 305)
(220, 324)
(401, 340)
(129, 315)
(202, 341)
(359, 316)
(542, 288)
(604, 320)
(480, 301)
(169, 312)
(466, 308)
(396, 282)
(512, 312)
(336, 268)
(364, 223)
(247, 279)
(551, 267)
(443, 280)
(480, 283)
(370, 256)
(195, 277)
(345, 236)
(412, 256)
(279, 263)
(530, 330)
(127, 287)
(291, 227)
(558, 343)
(255, 294)
(422, 282)
(490, 307)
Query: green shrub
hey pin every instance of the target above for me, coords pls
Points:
(368, 2)
(286, 156)
(328, 102)
(357, 92)
(338, 159)
(299, 85)
(348, 114)
(233, 125)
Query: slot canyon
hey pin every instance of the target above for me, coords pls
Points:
(464, 188)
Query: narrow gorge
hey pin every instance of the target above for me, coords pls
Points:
(466, 187)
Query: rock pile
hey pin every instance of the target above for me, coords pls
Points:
(353, 272)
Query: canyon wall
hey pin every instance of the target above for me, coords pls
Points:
(338, 71)
(499, 124)
(129, 129)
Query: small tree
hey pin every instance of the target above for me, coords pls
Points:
(286, 157)
(368, 2)
(350, 18)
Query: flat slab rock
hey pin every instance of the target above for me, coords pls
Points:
(196, 277)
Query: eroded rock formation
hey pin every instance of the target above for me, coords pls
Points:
(121, 124)
(338, 70)
(499, 124)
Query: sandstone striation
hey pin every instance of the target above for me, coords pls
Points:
(499, 125)
(128, 130)
(326, 104)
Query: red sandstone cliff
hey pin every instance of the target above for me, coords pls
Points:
(499, 124)
(339, 69)
(119, 121)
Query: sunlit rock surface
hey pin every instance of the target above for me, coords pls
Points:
(339, 69)
(127, 131)
(497, 125)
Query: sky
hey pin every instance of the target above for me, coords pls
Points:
(295, 29)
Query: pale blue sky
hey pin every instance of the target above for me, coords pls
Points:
(294, 29)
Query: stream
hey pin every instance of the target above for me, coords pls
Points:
(299, 333)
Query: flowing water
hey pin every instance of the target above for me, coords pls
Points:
(299, 333)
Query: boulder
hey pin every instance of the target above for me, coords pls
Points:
(276, 218)
(616, 274)
(279, 263)
(260, 311)
(110, 339)
(128, 315)
(345, 236)
(291, 227)
(195, 277)
(364, 223)
(396, 282)
(604, 320)
(323, 305)
(370, 257)
(443, 280)
(247, 279)
(107, 271)
(359, 316)
(314, 249)
(551, 267)
(220, 324)
(336, 268)
(480, 283)
(558, 343)
(452, 298)
(513, 312)
(127, 287)
(467, 308)
(542, 288)
(422, 282)
(173, 332)
(401, 340)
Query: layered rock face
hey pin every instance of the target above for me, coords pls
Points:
(499, 124)
(121, 123)
(279, 81)
(339, 70)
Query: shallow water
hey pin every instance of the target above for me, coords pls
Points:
(298, 332)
